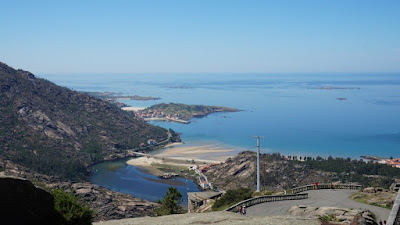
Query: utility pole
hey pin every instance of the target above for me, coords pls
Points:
(258, 163)
(265, 175)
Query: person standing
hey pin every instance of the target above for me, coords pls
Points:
(240, 210)
(244, 210)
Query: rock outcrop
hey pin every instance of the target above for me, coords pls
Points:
(376, 196)
(106, 204)
(220, 218)
(22, 203)
(334, 215)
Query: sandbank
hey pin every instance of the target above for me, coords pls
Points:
(201, 152)
(173, 144)
(181, 157)
(131, 108)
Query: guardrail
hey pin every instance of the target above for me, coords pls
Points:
(394, 216)
(266, 198)
(326, 186)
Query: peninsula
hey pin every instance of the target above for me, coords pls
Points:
(177, 112)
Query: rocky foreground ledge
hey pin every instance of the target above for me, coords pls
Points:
(220, 218)
(107, 204)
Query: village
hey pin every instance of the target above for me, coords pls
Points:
(391, 161)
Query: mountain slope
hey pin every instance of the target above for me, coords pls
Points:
(283, 173)
(240, 171)
(57, 131)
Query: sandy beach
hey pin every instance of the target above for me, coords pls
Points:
(203, 152)
(131, 108)
(180, 157)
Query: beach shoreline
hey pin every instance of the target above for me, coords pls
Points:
(179, 157)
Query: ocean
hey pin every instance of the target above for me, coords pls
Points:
(291, 111)
(297, 114)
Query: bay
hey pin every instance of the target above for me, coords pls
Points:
(291, 111)
(294, 115)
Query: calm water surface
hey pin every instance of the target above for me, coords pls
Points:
(289, 110)
(127, 179)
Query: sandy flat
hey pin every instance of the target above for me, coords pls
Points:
(202, 152)
(135, 109)
(173, 144)
(181, 156)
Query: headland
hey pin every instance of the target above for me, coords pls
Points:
(181, 113)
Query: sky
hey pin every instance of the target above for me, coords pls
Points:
(215, 36)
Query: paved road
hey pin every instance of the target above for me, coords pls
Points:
(333, 198)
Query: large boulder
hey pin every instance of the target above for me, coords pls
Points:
(22, 203)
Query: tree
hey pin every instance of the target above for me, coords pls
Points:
(170, 203)
(73, 212)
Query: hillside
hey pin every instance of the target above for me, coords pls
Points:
(283, 174)
(240, 171)
(56, 131)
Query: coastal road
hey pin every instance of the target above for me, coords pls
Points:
(333, 198)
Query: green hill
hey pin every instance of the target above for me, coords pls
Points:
(187, 112)
(57, 131)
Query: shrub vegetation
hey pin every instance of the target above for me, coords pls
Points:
(232, 197)
(73, 212)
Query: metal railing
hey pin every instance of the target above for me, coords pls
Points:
(326, 186)
(266, 198)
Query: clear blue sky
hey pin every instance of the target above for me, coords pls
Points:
(213, 36)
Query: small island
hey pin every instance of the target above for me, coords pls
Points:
(181, 113)
(113, 97)
(336, 88)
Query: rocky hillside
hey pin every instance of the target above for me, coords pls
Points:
(282, 174)
(57, 131)
(106, 204)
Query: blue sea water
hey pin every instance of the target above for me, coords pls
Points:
(289, 110)
(294, 116)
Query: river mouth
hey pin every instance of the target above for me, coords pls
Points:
(128, 179)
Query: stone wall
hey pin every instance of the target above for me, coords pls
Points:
(394, 217)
